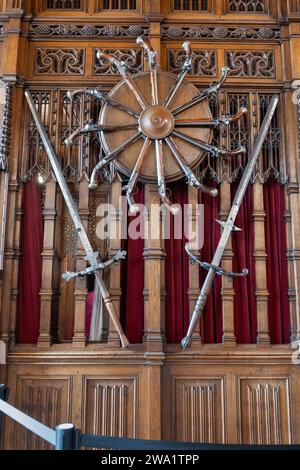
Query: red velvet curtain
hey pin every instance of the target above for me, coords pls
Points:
(277, 272)
(245, 323)
(30, 272)
(132, 282)
(211, 321)
(177, 273)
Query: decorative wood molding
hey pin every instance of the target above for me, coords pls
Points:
(93, 30)
(5, 128)
(261, 33)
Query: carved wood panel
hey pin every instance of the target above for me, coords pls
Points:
(197, 409)
(110, 406)
(264, 410)
(46, 399)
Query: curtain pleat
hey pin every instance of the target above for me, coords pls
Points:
(30, 271)
(132, 282)
(277, 272)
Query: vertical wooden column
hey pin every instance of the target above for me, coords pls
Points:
(46, 292)
(115, 271)
(79, 336)
(194, 288)
(260, 256)
(291, 147)
(154, 256)
(227, 291)
(9, 181)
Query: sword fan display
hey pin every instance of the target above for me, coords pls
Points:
(155, 126)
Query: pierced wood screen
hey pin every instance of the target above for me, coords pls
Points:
(247, 6)
(63, 4)
(119, 4)
(192, 5)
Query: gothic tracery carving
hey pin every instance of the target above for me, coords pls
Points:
(59, 61)
(204, 63)
(255, 6)
(132, 57)
(256, 64)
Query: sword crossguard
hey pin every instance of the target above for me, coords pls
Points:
(218, 270)
(96, 266)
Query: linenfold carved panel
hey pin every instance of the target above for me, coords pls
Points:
(265, 411)
(204, 63)
(198, 409)
(255, 64)
(132, 57)
(59, 61)
(110, 406)
(46, 399)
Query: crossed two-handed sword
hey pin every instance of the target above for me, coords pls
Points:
(229, 226)
(91, 256)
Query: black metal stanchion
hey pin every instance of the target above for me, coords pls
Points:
(65, 437)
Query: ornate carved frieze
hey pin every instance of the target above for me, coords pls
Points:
(255, 64)
(204, 63)
(59, 61)
(5, 129)
(41, 30)
(221, 32)
(247, 6)
(132, 57)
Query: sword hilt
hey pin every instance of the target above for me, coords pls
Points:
(68, 275)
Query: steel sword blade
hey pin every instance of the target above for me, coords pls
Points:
(91, 256)
(201, 302)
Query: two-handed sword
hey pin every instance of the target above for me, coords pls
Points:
(229, 226)
(91, 256)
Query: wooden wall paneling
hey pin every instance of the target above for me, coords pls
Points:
(115, 272)
(265, 410)
(198, 409)
(194, 288)
(79, 336)
(110, 405)
(46, 399)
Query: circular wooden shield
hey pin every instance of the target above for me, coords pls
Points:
(126, 159)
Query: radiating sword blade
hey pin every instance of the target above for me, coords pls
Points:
(186, 67)
(206, 288)
(109, 158)
(76, 218)
(122, 70)
(151, 53)
(98, 94)
(204, 95)
(192, 180)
